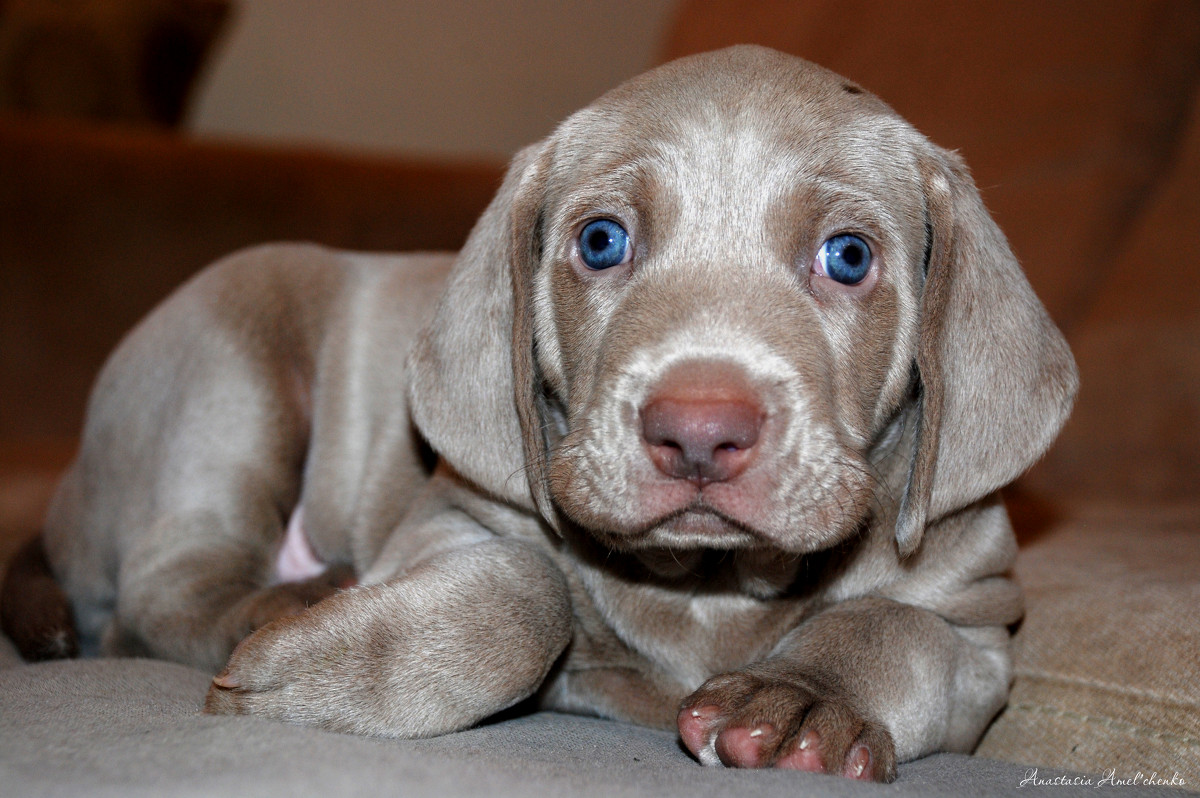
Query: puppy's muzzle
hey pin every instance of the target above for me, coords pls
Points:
(702, 423)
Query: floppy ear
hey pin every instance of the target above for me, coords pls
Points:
(997, 379)
(463, 394)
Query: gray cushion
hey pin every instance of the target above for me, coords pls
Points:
(132, 727)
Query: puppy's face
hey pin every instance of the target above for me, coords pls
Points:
(725, 307)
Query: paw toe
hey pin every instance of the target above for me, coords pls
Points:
(858, 763)
(695, 726)
(743, 747)
(805, 756)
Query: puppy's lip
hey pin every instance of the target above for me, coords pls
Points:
(702, 526)
(695, 525)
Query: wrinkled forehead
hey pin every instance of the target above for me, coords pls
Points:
(732, 130)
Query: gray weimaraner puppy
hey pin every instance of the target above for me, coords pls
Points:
(721, 389)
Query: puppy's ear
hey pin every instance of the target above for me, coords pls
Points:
(997, 379)
(463, 394)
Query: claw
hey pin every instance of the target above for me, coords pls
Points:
(226, 680)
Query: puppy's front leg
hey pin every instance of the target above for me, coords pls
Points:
(853, 690)
(461, 636)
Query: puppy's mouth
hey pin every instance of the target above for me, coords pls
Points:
(697, 525)
(796, 496)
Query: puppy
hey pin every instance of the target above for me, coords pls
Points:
(721, 389)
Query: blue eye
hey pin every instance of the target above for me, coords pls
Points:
(845, 258)
(604, 244)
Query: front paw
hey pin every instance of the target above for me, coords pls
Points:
(298, 668)
(741, 719)
(415, 658)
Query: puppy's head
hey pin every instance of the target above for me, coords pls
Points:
(710, 307)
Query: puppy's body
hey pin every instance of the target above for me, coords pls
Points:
(273, 380)
(701, 472)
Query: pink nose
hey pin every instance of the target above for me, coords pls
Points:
(700, 429)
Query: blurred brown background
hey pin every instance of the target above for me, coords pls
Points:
(140, 139)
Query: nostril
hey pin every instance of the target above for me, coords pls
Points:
(669, 444)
